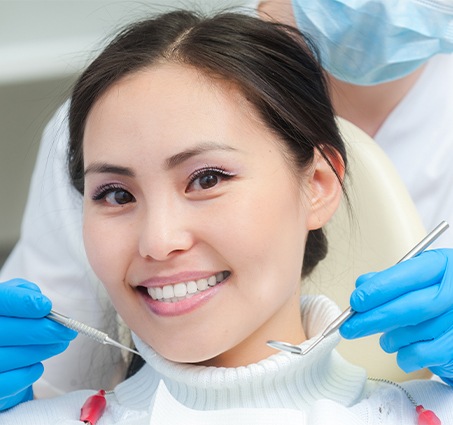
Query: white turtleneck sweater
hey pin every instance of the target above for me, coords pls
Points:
(318, 388)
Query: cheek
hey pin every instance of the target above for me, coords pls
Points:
(103, 249)
(265, 232)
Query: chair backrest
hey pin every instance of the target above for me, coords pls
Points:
(379, 228)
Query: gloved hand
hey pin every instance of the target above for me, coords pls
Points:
(412, 304)
(26, 338)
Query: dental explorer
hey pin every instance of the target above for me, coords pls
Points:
(86, 330)
(335, 324)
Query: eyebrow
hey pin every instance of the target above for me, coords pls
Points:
(104, 168)
(179, 158)
(172, 162)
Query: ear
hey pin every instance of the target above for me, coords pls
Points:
(325, 190)
(277, 10)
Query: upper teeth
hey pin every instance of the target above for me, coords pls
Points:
(181, 290)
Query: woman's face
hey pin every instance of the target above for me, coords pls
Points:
(193, 218)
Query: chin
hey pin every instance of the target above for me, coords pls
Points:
(186, 355)
(193, 358)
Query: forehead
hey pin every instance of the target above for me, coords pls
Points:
(171, 102)
(175, 87)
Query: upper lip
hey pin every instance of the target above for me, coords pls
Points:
(157, 281)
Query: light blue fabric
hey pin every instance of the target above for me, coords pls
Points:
(367, 42)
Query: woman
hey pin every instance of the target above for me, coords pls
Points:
(180, 132)
(50, 250)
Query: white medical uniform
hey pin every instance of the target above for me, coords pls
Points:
(418, 138)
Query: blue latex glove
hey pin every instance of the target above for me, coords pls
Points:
(26, 338)
(412, 304)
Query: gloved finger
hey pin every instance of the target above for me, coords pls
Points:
(432, 354)
(22, 283)
(364, 278)
(24, 332)
(431, 329)
(438, 371)
(19, 298)
(419, 272)
(18, 357)
(14, 400)
(408, 310)
(15, 381)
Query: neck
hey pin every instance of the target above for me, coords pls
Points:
(285, 325)
(369, 106)
(283, 380)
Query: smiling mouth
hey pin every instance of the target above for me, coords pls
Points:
(183, 290)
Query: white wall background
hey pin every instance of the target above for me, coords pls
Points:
(43, 46)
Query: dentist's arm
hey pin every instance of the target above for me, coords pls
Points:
(26, 339)
(50, 252)
(411, 303)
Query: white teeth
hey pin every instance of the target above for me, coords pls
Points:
(192, 287)
(168, 291)
(212, 281)
(152, 293)
(159, 293)
(202, 284)
(182, 290)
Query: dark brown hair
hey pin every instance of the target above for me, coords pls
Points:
(273, 65)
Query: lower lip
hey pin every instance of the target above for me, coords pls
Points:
(187, 305)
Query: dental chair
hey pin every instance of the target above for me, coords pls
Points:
(379, 228)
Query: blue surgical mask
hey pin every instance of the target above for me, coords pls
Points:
(367, 42)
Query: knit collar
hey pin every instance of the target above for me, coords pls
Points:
(282, 380)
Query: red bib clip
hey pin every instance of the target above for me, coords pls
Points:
(93, 408)
(426, 417)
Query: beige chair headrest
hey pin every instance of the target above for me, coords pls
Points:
(381, 226)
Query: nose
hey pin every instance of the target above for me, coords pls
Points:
(165, 231)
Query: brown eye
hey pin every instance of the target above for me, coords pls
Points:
(119, 197)
(208, 181)
(207, 178)
(113, 194)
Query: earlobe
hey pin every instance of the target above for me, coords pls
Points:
(325, 188)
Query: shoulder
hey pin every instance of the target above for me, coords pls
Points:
(65, 410)
(47, 411)
(386, 403)
(433, 395)
(57, 130)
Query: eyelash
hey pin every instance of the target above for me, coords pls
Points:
(103, 191)
(218, 171)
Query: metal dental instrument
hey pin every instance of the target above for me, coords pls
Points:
(86, 330)
(333, 327)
